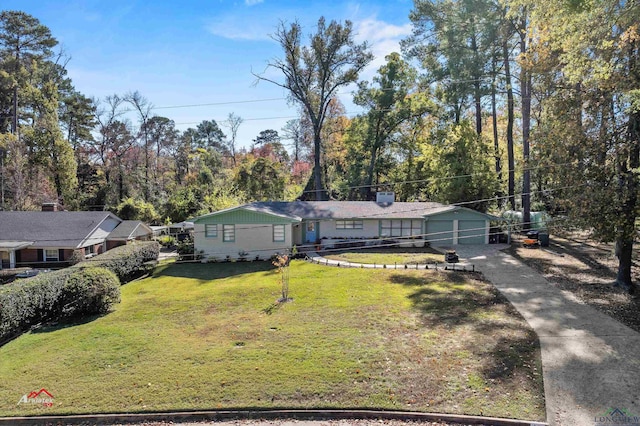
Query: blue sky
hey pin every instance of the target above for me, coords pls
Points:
(202, 52)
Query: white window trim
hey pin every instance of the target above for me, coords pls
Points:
(349, 224)
(213, 234)
(413, 231)
(284, 234)
(46, 258)
(224, 233)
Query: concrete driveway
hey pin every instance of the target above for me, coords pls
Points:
(591, 362)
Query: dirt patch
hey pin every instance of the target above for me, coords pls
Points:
(586, 268)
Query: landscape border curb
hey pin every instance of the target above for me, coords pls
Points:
(222, 415)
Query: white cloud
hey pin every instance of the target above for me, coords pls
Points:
(374, 30)
(383, 38)
(238, 28)
(252, 2)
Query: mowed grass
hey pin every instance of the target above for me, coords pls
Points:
(209, 336)
(387, 256)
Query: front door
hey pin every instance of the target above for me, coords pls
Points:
(310, 235)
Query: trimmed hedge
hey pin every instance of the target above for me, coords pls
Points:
(90, 287)
(90, 291)
(128, 261)
(68, 293)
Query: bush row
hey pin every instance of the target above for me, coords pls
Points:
(128, 261)
(65, 294)
(87, 288)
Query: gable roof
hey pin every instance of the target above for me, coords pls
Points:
(300, 210)
(129, 230)
(51, 229)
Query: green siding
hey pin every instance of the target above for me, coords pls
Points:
(471, 231)
(242, 216)
(460, 214)
(440, 232)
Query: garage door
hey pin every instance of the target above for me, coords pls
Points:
(440, 232)
(471, 231)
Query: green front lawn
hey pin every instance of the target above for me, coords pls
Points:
(209, 336)
(387, 256)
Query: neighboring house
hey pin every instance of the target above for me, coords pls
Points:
(49, 238)
(181, 230)
(262, 229)
(128, 231)
(160, 230)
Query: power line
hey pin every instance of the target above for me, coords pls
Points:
(386, 241)
(249, 101)
(431, 179)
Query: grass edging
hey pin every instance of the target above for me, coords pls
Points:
(194, 416)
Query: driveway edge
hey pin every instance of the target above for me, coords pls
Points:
(193, 416)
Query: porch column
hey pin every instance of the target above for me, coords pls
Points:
(487, 226)
(12, 259)
(455, 232)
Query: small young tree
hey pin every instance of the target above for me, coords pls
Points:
(281, 261)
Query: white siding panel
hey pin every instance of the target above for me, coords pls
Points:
(255, 239)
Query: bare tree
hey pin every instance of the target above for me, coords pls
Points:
(233, 123)
(293, 131)
(107, 113)
(313, 74)
(143, 108)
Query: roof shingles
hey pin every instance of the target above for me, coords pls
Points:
(299, 210)
(50, 229)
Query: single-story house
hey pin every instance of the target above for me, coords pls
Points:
(128, 231)
(49, 238)
(262, 229)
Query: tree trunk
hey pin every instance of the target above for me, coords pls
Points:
(624, 251)
(629, 181)
(525, 94)
(496, 144)
(371, 170)
(510, 120)
(120, 184)
(56, 171)
(317, 170)
(366, 190)
(477, 87)
(14, 113)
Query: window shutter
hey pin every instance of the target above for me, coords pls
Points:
(60, 255)
(40, 255)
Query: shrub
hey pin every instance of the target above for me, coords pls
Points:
(128, 261)
(89, 291)
(186, 248)
(71, 292)
(76, 257)
(167, 241)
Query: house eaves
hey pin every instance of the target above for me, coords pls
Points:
(93, 231)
